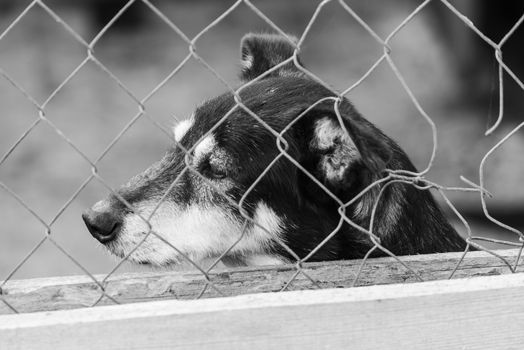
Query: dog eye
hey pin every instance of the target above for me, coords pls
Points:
(217, 174)
(212, 172)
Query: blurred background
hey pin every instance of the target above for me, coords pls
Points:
(451, 71)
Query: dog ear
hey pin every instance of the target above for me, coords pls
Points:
(260, 52)
(345, 157)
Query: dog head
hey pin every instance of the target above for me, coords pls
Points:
(257, 174)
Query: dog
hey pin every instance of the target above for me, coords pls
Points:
(264, 177)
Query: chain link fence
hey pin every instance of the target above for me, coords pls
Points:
(417, 179)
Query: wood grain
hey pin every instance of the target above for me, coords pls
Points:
(477, 313)
(80, 291)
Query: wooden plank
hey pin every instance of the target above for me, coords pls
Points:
(478, 313)
(80, 291)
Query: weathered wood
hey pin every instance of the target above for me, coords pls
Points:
(478, 313)
(80, 291)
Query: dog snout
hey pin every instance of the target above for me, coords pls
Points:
(103, 224)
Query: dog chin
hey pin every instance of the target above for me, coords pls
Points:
(144, 260)
(141, 256)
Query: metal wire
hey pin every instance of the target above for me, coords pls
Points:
(416, 179)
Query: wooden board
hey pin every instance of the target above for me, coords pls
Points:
(477, 313)
(80, 291)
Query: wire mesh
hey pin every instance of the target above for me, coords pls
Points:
(416, 179)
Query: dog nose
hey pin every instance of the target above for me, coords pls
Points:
(103, 225)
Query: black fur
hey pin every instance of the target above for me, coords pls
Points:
(407, 221)
(419, 226)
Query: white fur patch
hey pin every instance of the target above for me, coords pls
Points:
(268, 219)
(197, 231)
(342, 151)
(327, 131)
(181, 129)
(247, 62)
(204, 147)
